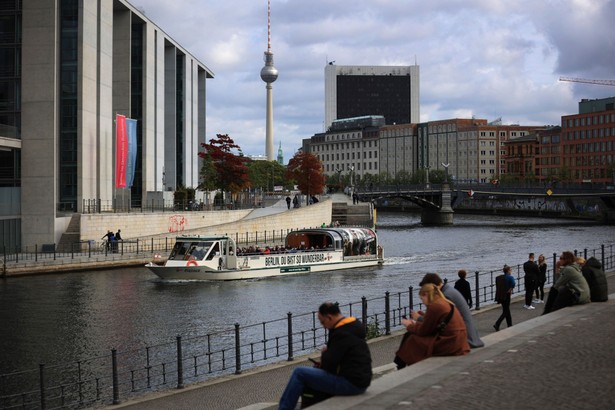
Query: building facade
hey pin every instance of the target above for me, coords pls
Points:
(356, 91)
(588, 142)
(70, 67)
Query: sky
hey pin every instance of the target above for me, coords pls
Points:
(484, 58)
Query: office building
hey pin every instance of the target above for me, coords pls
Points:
(357, 91)
(67, 68)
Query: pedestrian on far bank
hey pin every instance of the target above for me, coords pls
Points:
(504, 286)
(463, 286)
(288, 202)
(542, 279)
(531, 280)
(118, 235)
(295, 202)
(110, 237)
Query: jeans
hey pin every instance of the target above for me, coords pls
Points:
(316, 379)
(505, 314)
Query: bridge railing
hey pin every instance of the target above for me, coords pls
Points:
(105, 378)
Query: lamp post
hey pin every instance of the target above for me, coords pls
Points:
(445, 171)
(427, 176)
(339, 177)
(351, 169)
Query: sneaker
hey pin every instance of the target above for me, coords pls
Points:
(528, 307)
(538, 301)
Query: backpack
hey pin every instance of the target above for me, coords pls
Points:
(501, 290)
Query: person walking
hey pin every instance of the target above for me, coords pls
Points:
(288, 202)
(345, 366)
(463, 286)
(542, 279)
(504, 286)
(531, 279)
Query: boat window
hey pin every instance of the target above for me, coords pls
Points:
(179, 250)
(215, 249)
(199, 250)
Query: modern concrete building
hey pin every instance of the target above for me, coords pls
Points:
(356, 91)
(67, 68)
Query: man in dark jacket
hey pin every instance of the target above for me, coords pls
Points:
(345, 367)
(596, 279)
(532, 273)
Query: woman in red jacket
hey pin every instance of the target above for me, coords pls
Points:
(439, 332)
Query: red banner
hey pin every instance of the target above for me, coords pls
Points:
(121, 151)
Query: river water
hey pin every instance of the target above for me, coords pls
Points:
(58, 318)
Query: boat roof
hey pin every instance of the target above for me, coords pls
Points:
(201, 237)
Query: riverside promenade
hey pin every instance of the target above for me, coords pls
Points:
(562, 360)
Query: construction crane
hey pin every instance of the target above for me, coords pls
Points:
(584, 80)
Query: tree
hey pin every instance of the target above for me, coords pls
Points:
(306, 169)
(231, 172)
(266, 174)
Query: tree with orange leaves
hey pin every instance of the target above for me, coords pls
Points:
(306, 170)
(231, 172)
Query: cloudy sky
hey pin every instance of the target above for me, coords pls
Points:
(482, 58)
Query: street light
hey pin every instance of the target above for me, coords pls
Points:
(445, 171)
(339, 176)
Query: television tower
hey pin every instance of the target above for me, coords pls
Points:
(269, 74)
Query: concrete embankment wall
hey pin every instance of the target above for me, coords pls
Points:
(147, 225)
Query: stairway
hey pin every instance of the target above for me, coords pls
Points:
(72, 236)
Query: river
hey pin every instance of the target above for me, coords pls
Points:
(62, 317)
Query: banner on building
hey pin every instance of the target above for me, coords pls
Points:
(121, 151)
(131, 128)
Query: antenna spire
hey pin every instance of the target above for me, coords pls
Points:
(268, 25)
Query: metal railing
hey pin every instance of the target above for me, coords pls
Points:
(116, 376)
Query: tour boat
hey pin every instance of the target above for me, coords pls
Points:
(305, 250)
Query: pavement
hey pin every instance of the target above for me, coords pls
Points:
(564, 360)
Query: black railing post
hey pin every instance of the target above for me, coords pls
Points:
(41, 378)
(585, 253)
(554, 265)
(410, 298)
(237, 350)
(54, 251)
(89, 249)
(116, 382)
(152, 245)
(36, 253)
(137, 246)
(387, 313)
(477, 292)
(289, 318)
(364, 312)
(601, 259)
(180, 364)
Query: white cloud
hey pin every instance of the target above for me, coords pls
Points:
(488, 58)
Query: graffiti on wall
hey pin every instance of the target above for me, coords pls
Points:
(177, 223)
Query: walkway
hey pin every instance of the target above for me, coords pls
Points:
(562, 360)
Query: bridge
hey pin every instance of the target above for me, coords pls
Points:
(438, 201)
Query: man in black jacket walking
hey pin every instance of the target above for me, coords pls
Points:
(345, 367)
(532, 273)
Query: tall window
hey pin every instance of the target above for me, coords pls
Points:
(69, 43)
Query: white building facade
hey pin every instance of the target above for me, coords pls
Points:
(82, 62)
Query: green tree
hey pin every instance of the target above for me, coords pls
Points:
(267, 174)
(306, 169)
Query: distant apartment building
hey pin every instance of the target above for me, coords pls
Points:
(350, 145)
(471, 149)
(588, 142)
(67, 68)
(357, 91)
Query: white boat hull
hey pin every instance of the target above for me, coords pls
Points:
(217, 258)
(205, 273)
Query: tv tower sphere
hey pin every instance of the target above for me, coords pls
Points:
(269, 73)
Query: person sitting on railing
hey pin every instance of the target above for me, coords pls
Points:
(345, 367)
